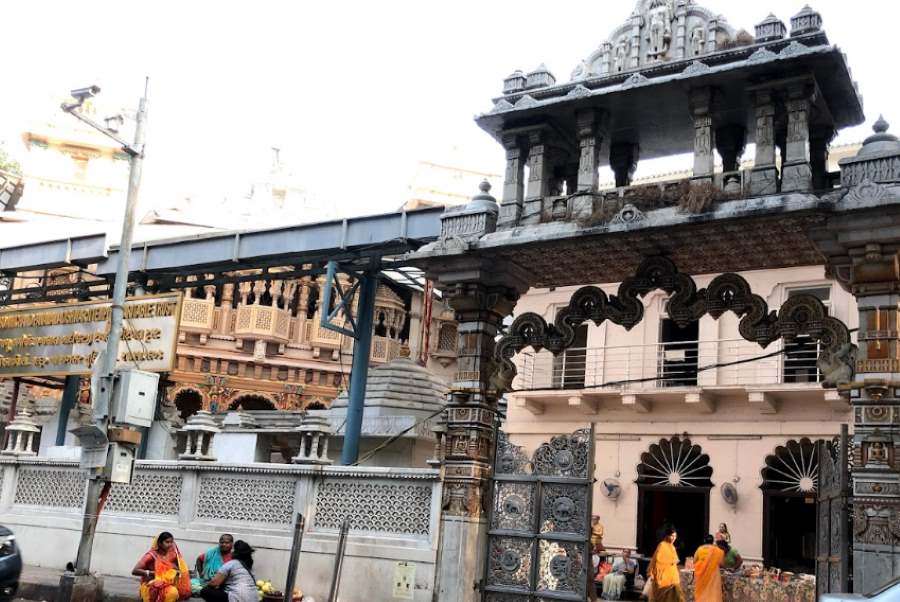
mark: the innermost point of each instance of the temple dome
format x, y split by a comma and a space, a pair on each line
402, 383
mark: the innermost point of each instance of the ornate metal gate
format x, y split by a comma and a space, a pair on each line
540, 521
833, 526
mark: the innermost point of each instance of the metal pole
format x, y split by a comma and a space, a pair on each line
70, 398
359, 372
339, 561
101, 404
299, 525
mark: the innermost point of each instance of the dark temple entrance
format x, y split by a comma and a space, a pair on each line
674, 484
790, 483
790, 532
685, 508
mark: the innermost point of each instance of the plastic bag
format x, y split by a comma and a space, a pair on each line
648, 586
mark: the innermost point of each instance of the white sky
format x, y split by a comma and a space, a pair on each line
355, 93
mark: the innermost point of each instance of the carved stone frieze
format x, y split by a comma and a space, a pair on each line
876, 523
800, 315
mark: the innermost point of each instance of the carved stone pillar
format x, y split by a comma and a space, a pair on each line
226, 308
796, 173
730, 142
875, 395
862, 251
591, 131
819, 140
540, 173
623, 158
704, 134
513, 182
481, 294
764, 178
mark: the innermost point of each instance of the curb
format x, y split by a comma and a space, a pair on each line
47, 591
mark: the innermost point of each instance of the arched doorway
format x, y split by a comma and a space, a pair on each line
252, 403
673, 483
790, 483
188, 402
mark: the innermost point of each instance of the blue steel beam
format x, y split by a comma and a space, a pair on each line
81, 250
375, 235
359, 372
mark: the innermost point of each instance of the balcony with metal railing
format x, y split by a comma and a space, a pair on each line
694, 372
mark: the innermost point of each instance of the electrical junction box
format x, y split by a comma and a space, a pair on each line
134, 398
119, 463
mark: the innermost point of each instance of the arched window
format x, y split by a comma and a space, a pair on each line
252, 403
316, 405
793, 468
675, 462
188, 402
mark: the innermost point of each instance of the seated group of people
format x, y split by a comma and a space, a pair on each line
224, 572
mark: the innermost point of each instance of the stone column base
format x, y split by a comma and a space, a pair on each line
531, 214
509, 215
796, 177
582, 206
763, 181
460, 559
79, 588
872, 568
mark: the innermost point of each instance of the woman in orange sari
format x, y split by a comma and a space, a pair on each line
707, 580
665, 579
164, 573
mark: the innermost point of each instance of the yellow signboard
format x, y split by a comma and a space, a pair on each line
61, 340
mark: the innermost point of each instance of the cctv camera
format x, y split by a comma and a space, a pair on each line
83, 93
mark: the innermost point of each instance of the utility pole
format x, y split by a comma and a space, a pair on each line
97, 482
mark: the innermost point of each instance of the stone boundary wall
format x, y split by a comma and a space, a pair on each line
394, 512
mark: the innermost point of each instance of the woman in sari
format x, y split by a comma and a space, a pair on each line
209, 562
164, 573
664, 577
707, 580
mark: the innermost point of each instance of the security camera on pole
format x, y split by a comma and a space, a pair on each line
121, 398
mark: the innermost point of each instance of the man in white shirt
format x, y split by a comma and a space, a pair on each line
626, 565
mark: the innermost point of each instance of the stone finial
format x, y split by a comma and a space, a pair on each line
474, 219
770, 30
540, 78
314, 432
483, 200
878, 160
20, 435
199, 432
514, 82
806, 21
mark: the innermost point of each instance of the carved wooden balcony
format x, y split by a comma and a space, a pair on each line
263, 322
198, 316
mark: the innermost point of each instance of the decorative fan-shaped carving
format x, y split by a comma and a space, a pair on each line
675, 462
793, 468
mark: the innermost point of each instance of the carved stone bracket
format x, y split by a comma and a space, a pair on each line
800, 315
